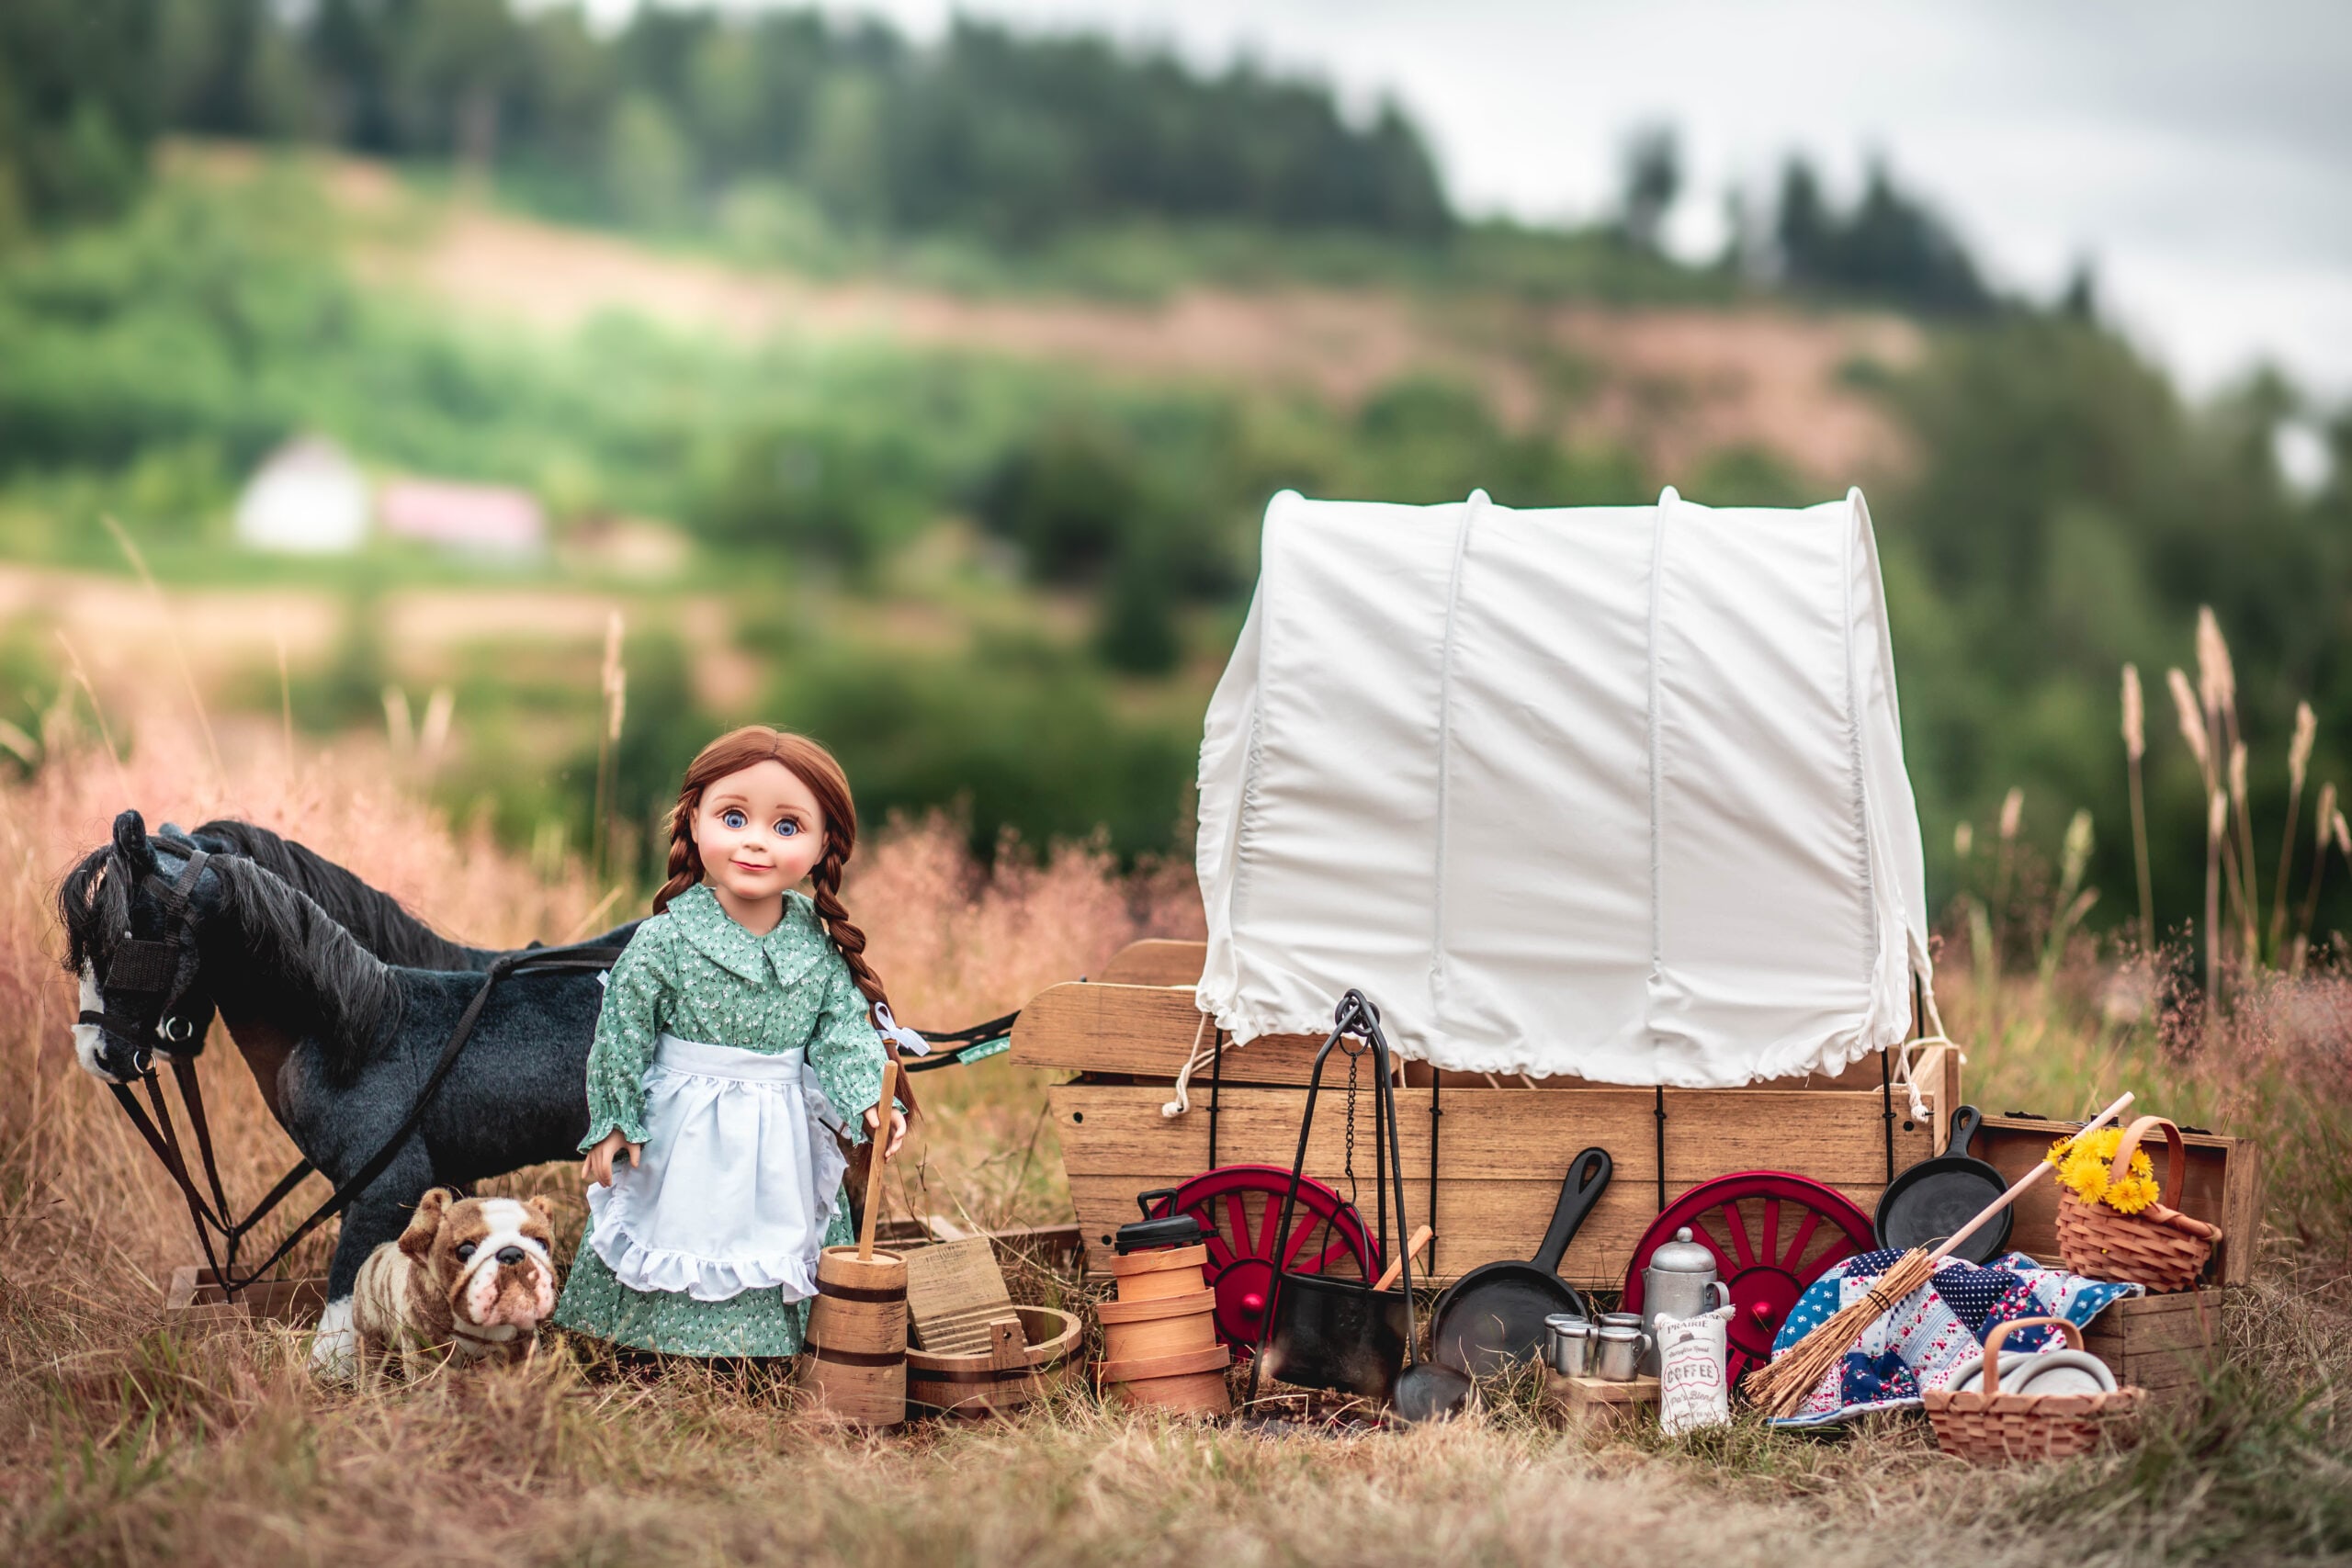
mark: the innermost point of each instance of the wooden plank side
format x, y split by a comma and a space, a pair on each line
1156, 961
1477, 1221
1497, 1133
1148, 1032
2220, 1186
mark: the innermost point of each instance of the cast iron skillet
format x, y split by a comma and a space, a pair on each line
1493, 1316
1937, 1196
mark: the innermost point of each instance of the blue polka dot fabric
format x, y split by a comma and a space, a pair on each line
1934, 1330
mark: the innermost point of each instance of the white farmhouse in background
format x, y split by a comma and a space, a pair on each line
491, 520
308, 498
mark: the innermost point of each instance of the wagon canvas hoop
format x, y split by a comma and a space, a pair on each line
1638, 767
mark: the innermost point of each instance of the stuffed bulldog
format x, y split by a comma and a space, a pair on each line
472, 1275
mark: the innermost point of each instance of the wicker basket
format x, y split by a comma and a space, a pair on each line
1985, 1426
2159, 1246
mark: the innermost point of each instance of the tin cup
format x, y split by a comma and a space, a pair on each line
1626, 1319
1568, 1345
1617, 1357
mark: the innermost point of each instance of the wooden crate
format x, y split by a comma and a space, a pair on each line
2163, 1344
1597, 1406
2223, 1187
1502, 1151
195, 1296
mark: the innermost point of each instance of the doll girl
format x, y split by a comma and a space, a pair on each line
737, 1038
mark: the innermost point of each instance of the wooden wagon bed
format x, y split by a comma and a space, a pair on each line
1502, 1149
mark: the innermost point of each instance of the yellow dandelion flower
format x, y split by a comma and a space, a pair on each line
2131, 1194
2083, 1170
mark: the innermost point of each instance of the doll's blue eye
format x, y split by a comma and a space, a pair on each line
786, 828
733, 819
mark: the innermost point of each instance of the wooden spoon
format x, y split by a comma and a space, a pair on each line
1422, 1237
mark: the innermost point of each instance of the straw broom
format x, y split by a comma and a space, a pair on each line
1781, 1387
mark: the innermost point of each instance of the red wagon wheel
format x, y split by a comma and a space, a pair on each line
1773, 1235
1240, 1211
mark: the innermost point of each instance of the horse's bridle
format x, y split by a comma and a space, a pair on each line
151, 968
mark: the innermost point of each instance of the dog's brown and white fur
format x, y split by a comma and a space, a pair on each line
473, 1275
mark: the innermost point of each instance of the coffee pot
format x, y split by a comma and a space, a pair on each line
1678, 1282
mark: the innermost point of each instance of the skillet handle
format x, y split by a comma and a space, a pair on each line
1966, 1122
1588, 1178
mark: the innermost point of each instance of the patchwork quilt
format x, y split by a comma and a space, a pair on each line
1931, 1332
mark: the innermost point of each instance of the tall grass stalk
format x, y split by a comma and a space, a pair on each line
2073, 900
2216, 827
2325, 824
2249, 899
613, 680
172, 635
2135, 748
2298, 760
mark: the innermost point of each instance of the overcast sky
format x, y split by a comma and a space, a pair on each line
2199, 152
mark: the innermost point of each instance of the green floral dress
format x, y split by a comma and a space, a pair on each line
694, 973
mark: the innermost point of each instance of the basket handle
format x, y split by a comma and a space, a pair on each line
2175, 1154
1992, 1383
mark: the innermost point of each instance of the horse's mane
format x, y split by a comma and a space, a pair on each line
286, 930
378, 920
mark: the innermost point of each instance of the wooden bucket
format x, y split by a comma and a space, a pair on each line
1190, 1383
857, 1336
1017, 1367
1162, 1326
1155, 1276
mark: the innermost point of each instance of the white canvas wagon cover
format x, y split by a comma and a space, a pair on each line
1616, 791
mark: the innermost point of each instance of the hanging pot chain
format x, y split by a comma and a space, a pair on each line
1354, 1049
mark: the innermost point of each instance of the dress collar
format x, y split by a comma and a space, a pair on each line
785, 951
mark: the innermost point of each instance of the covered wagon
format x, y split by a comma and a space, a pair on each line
1605, 808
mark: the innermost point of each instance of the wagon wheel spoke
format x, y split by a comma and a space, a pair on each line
1769, 1247
1237, 1214
1219, 1254
1321, 1261
1270, 1226
1738, 1229
1298, 1237
1706, 1238
1795, 1254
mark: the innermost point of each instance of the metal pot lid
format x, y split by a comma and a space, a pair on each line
1683, 1256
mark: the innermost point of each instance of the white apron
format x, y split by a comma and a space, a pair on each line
739, 1177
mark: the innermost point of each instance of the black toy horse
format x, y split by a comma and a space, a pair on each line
339, 1040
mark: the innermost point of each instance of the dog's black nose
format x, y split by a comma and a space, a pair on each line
510, 1256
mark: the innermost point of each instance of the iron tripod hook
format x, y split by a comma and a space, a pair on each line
1355, 1015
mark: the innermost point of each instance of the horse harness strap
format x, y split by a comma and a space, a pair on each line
162, 1138
147, 968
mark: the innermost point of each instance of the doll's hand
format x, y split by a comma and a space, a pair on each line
898, 1128
598, 1167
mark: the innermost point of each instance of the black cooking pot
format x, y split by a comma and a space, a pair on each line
1935, 1197
1338, 1334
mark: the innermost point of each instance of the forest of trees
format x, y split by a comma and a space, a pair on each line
784, 121
1009, 137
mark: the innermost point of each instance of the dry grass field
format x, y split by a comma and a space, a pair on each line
124, 1440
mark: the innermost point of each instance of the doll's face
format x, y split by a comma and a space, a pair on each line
759, 832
